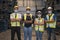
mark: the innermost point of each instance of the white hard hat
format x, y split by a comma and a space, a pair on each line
39, 11
49, 7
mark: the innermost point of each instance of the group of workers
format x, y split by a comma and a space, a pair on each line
28, 20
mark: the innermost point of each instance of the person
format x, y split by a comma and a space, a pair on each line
39, 25
50, 20
27, 21
15, 23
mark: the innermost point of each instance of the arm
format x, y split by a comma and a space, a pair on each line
50, 21
19, 17
12, 18
30, 21
35, 22
42, 23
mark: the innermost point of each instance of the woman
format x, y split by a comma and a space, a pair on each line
39, 25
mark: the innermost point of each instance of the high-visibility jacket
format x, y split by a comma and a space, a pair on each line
51, 25
17, 23
39, 27
25, 16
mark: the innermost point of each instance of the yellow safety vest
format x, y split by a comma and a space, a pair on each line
40, 28
51, 25
26, 16
17, 23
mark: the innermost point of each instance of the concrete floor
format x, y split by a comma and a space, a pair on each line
7, 36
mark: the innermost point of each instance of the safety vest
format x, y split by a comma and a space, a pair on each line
51, 25
17, 23
25, 16
41, 27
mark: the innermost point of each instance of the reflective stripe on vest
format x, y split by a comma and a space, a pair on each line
17, 23
51, 25
40, 28
25, 18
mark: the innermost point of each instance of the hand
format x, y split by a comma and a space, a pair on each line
50, 21
28, 21
13, 20
40, 24
18, 19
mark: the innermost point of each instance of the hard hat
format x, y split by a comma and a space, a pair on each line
49, 7
15, 6
28, 8
39, 12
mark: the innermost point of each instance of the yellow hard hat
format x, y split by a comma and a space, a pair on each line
15, 6
28, 8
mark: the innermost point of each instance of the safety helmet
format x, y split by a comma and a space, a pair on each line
15, 6
38, 12
28, 8
49, 7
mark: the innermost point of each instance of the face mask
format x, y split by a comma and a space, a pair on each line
39, 15
50, 12
15, 10
28, 11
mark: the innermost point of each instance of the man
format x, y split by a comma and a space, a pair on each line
15, 23
39, 25
28, 20
50, 23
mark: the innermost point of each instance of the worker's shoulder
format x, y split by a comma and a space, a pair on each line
12, 14
19, 13
24, 14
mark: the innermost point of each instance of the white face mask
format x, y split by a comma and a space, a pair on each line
39, 15
15, 10
28, 11
50, 12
